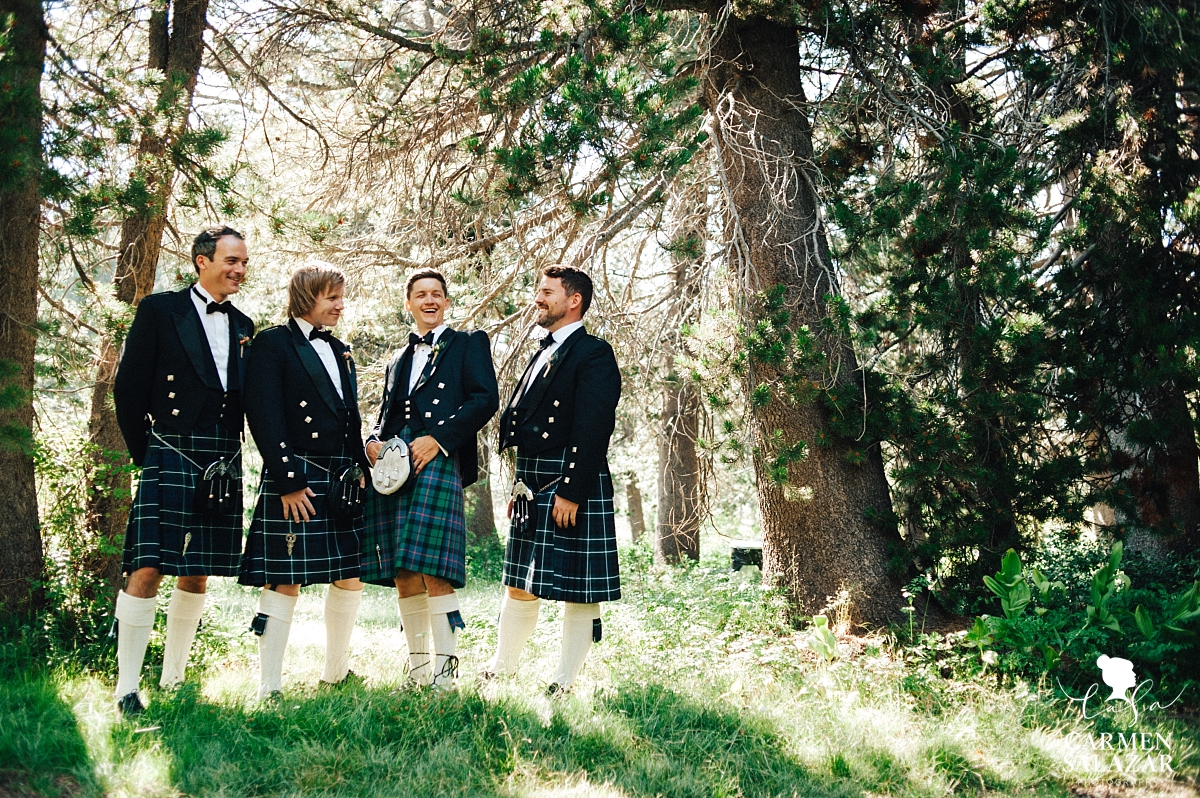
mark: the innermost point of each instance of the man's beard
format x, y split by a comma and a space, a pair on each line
547, 317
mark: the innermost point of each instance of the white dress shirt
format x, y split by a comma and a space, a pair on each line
420, 357
543, 358
216, 329
325, 352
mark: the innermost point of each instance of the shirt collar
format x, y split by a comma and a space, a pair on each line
204, 297
438, 330
304, 325
563, 333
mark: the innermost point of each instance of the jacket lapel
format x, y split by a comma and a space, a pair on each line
515, 400
541, 382
443, 343
346, 369
195, 341
237, 351
315, 368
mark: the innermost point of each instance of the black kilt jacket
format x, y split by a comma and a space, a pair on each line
167, 372
455, 397
572, 404
293, 409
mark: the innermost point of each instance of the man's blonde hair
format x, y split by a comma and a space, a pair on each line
309, 281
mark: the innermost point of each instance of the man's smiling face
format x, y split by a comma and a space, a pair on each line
427, 302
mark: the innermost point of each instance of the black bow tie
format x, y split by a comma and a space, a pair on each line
325, 335
426, 339
545, 342
213, 307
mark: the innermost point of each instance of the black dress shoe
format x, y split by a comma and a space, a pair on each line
130, 705
351, 679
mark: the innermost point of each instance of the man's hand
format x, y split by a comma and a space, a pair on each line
373, 449
422, 451
297, 507
564, 512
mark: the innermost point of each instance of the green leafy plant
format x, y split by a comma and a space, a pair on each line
822, 640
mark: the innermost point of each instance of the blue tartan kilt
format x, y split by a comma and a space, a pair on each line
163, 532
577, 564
421, 529
322, 550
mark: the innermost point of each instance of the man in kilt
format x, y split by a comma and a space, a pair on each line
178, 394
302, 407
439, 391
562, 543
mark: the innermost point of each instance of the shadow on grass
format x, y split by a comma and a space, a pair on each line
42, 751
638, 740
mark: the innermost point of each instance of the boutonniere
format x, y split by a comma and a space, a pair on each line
347, 351
437, 350
550, 361
243, 342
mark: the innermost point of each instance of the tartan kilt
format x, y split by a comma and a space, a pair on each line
578, 564
162, 518
324, 550
422, 529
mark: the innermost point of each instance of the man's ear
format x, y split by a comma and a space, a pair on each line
575, 300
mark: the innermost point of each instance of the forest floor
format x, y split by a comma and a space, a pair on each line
697, 689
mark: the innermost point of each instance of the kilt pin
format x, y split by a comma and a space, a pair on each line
306, 432
560, 420
422, 527
177, 418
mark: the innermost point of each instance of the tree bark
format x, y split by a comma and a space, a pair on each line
637, 515
21, 64
176, 48
680, 488
1167, 486
481, 511
818, 536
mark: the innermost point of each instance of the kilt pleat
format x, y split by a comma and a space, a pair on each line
161, 518
422, 530
578, 564
324, 550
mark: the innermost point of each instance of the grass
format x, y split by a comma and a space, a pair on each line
698, 689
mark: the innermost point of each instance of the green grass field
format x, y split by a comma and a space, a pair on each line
696, 690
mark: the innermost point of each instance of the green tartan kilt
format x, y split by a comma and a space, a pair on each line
422, 529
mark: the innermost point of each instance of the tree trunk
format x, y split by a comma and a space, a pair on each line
177, 51
818, 536
21, 61
1167, 487
637, 516
680, 499
481, 512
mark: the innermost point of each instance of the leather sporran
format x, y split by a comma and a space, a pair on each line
218, 491
346, 493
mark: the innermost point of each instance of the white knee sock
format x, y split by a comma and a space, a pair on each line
517, 622
445, 641
135, 621
341, 609
272, 643
183, 617
576, 641
414, 614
